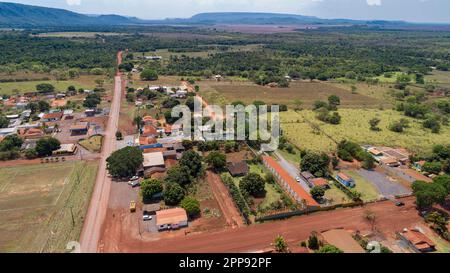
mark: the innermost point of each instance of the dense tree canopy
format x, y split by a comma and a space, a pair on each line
124, 162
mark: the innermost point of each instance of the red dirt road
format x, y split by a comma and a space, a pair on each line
226, 204
256, 237
95, 216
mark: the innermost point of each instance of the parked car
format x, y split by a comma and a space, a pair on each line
132, 206
399, 204
134, 183
134, 178
147, 217
298, 179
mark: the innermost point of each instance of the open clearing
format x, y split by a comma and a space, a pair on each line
42, 207
355, 127
308, 92
93, 144
85, 82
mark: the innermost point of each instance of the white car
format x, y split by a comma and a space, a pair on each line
134, 183
134, 178
147, 217
298, 179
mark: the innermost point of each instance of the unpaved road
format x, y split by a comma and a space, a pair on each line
95, 216
226, 203
256, 237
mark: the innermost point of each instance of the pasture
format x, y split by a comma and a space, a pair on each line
306, 91
42, 207
305, 131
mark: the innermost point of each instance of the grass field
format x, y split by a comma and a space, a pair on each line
336, 196
367, 189
308, 92
86, 82
93, 144
42, 207
441, 78
355, 126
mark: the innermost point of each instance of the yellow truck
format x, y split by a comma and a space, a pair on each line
132, 206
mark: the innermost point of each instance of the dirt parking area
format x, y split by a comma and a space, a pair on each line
97, 126
386, 185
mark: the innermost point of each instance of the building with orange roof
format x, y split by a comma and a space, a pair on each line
31, 133
52, 116
149, 131
319, 182
345, 180
417, 240
58, 103
288, 183
171, 219
143, 140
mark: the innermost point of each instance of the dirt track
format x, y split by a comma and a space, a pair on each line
226, 204
254, 238
95, 216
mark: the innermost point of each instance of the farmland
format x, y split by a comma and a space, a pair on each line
355, 127
306, 91
42, 207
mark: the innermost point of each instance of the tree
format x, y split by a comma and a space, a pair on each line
428, 194
46, 146
216, 160
149, 75
297, 105
43, 106
317, 164
173, 194
193, 161
432, 167
334, 101
30, 153
191, 205
313, 241
92, 100
317, 192
444, 181
374, 124
179, 174
45, 88
4, 122
329, 249
280, 244
253, 184
10, 142
371, 217
150, 187
125, 162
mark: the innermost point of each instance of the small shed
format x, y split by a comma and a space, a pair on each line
238, 168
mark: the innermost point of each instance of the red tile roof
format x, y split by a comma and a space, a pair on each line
418, 239
57, 115
319, 182
290, 181
149, 130
344, 176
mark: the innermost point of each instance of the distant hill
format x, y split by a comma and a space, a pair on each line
19, 15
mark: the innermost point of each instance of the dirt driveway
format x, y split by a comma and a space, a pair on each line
226, 203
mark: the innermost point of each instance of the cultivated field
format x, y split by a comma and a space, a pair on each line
307, 92
355, 126
42, 207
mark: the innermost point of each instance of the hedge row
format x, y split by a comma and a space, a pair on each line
237, 197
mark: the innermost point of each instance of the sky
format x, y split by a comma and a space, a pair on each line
432, 11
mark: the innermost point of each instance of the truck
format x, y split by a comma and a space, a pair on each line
133, 206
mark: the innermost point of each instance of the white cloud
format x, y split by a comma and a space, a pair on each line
73, 2
374, 2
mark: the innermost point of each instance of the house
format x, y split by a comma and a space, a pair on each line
153, 58
418, 241
319, 182
89, 112
419, 165
171, 219
343, 240
307, 175
218, 78
152, 160
374, 151
31, 133
52, 117
389, 161
238, 168
149, 131
345, 180
288, 183
7, 131
80, 128
66, 149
